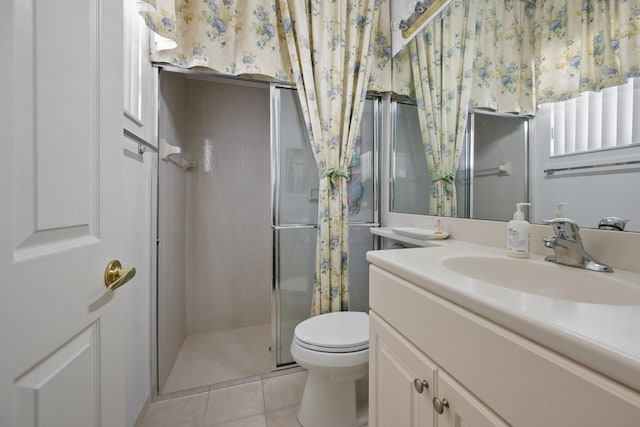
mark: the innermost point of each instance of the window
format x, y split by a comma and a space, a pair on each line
596, 120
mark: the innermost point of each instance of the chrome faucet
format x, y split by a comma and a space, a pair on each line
567, 245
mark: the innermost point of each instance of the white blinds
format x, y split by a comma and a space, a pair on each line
596, 120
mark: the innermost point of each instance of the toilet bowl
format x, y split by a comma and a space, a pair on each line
334, 348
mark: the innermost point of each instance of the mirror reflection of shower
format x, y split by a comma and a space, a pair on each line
492, 174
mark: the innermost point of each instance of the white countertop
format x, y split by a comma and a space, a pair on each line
605, 338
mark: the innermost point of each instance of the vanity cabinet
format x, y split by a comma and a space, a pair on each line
408, 389
488, 375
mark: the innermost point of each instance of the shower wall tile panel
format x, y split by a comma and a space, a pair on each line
228, 234
171, 222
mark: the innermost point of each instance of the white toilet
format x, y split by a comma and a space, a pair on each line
334, 347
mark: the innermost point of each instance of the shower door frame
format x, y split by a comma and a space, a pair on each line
275, 195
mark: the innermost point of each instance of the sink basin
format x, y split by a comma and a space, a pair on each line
546, 279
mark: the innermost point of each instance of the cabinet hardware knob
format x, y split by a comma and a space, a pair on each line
420, 385
439, 405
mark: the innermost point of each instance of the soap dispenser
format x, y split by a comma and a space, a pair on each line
558, 213
518, 234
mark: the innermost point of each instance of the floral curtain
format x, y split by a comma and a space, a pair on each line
585, 45
234, 37
228, 36
442, 61
503, 70
480, 54
331, 49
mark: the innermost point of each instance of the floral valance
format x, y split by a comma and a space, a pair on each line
585, 45
502, 77
551, 50
234, 37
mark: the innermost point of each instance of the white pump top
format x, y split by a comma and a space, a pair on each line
519, 215
558, 213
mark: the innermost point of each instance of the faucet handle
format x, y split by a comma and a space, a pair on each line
565, 228
558, 220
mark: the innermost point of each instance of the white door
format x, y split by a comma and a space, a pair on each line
61, 138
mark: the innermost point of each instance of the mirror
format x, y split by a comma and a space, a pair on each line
509, 158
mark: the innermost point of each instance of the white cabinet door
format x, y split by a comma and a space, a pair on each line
462, 408
60, 176
394, 365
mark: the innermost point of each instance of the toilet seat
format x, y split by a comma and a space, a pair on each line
339, 332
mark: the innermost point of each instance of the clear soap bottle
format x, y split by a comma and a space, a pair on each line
518, 234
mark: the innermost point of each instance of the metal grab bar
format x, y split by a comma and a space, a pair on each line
502, 170
551, 171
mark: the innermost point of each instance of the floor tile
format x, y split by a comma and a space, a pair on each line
285, 417
255, 421
216, 357
285, 390
185, 411
234, 403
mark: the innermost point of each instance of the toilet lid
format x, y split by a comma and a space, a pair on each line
342, 331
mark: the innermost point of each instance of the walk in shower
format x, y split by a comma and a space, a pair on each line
236, 233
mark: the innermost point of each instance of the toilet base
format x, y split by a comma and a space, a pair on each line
330, 403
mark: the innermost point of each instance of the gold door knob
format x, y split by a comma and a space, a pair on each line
116, 276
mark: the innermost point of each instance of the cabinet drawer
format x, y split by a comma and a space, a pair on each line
523, 382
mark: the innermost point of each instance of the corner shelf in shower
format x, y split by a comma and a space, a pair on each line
171, 153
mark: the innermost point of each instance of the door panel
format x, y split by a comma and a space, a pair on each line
295, 263
60, 183
57, 136
65, 379
394, 364
296, 171
464, 409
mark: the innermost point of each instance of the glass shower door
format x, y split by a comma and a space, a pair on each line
295, 201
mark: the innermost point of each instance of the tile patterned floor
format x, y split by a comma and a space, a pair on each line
272, 402
217, 357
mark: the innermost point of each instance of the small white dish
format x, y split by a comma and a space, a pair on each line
420, 233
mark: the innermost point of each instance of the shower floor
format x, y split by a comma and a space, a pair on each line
216, 357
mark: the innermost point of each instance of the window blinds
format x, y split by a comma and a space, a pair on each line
596, 120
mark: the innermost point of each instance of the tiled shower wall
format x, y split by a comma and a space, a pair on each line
171, 233
228, 241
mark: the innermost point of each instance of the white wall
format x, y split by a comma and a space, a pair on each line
592, 193
171, 223
136, 296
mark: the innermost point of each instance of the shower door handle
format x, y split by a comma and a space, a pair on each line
116, 276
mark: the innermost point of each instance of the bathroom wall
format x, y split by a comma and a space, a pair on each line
592, 193
136, 296
171, 229
228, 242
